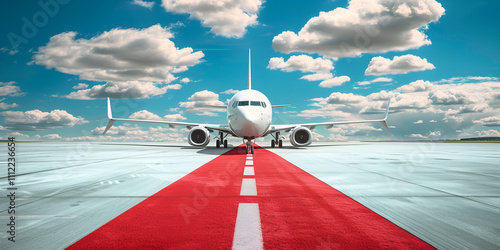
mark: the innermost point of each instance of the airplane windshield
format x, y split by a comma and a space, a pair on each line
250, 103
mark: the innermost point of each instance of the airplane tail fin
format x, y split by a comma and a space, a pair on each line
249, 70
110, 117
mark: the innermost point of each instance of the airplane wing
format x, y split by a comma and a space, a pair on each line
287, 128
210, 127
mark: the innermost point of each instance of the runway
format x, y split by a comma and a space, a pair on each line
347, 195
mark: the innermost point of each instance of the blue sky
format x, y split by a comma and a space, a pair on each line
438, 62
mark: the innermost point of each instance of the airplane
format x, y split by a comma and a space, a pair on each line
249, 116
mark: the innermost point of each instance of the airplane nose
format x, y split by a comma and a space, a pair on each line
251, 123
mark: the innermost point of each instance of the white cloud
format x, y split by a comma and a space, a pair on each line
52, 137
418, 136
4, 105
145, 4
185, 80
128, 132
230, 92
399, 65
449, 107
364, 27
354, 129
341, 98
81, 86
10, 89
199, 100
468, 79
122, 90
416, 86
228, 18
38, 120
19, 136
174, 117
146, 115
434, 134
379, 79
336, 81
491, 121
488, 133
320, 67
317, 77
303, 63
119, 55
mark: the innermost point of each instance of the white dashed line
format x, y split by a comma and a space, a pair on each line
247, 163
248, 187
248, 232
248, 171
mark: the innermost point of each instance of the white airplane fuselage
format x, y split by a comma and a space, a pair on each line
249, 114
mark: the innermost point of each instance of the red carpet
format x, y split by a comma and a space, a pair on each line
297, 211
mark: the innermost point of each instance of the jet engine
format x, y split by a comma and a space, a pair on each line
300, 136
199, 136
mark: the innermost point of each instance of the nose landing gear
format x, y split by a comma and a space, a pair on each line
249, 147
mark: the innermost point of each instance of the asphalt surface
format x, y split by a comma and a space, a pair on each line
445, 194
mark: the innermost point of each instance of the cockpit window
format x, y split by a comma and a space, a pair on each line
234, 104
264, 104
254, 103
243, 103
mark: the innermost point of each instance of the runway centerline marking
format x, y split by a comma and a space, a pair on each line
249, 171
248, 231
248, 187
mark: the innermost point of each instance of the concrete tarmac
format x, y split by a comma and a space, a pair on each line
446, 194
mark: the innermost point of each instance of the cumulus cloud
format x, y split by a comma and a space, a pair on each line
303, 63
317, 77
227, 18
450, 107
185, 80
379, 79
38, 120
145, 4
416, 86
491, 121
123, 90
4, 105
488, 133
125, 58
52, 137
129, 132
10, 89
146, 115
230, 92
321, 68
364, 27
398, 65
198, 101
81, 86
336, 81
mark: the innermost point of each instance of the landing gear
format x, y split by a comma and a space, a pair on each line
221, 140
249, 147
277, 141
